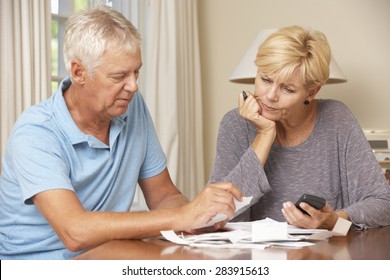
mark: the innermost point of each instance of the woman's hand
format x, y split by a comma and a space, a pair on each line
250, 110
323, 218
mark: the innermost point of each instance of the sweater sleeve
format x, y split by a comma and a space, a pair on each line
236, 161
365, 190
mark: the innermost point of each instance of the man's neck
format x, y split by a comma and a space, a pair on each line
86, 120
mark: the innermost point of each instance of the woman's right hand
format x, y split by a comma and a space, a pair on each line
250, 110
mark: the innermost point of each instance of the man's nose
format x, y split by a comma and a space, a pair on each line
131, 84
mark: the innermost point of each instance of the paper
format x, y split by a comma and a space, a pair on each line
341, 227
231, 236
222, 217
296, 230
269, 230
170, 235
290, 244
256, 235
226, 245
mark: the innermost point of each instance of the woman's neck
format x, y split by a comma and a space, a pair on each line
293, 133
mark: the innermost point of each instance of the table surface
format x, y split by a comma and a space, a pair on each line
373, 244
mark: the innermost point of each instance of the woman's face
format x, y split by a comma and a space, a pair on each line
280, 100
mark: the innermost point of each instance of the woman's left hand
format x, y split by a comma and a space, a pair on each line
323, 218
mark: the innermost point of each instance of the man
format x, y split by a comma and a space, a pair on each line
72, 162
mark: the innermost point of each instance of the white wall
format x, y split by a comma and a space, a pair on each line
357, 30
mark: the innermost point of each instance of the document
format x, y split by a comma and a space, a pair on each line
256, 235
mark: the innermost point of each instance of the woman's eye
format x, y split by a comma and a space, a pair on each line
289, 90
266, 80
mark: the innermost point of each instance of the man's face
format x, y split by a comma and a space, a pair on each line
112, 85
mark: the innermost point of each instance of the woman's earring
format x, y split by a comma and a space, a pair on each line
306, 102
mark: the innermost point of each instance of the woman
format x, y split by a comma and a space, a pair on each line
282, 142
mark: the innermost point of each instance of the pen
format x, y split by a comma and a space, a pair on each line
244, 95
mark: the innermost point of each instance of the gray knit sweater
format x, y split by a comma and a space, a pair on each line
335, 162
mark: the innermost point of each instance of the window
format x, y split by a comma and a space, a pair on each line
60, 11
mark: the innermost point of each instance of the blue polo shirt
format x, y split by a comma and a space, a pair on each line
47, 150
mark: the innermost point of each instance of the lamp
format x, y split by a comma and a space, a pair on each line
246, 70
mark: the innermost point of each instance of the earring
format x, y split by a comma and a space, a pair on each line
306, 102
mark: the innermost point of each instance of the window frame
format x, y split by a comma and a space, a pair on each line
61, 71
65, 9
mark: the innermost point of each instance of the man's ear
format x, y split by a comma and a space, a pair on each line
77, 71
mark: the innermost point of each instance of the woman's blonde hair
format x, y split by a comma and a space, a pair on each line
294, 47
89, 33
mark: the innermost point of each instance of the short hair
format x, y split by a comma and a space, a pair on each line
294, 47
89, 33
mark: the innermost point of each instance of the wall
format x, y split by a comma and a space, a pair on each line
357, 30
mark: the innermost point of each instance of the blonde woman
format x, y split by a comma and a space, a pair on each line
282, 141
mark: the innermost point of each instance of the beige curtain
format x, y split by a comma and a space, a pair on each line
25, 59
189, 93
171, 86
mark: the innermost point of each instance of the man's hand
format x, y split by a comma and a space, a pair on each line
216, 198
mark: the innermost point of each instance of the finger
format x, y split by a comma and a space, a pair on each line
243, 96
313, 212
220, 199
327, 208
212, 228
221, 185
219, 225
236, 192
230, 187
240, 100
293, 215
249, 94
310, 220
288, 215
227, 186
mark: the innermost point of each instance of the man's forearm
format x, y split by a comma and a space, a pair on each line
173, 201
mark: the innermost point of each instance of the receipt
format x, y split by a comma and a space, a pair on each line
222, 217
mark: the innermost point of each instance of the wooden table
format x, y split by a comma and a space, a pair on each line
360, 245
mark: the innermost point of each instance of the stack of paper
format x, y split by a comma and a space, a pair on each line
258, 234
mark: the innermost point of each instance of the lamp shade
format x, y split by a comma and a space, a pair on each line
246, 70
